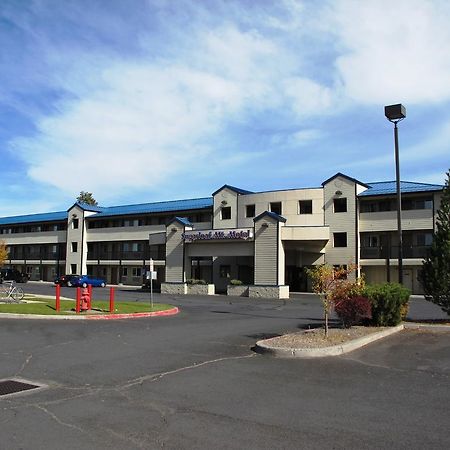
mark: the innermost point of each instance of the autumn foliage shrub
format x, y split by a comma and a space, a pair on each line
353, 310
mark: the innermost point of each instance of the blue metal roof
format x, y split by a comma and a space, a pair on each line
33, 218
158, 207
390, 187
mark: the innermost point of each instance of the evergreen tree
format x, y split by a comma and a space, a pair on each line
87, 197
435, 275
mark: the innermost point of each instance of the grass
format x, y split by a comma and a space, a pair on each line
47, 307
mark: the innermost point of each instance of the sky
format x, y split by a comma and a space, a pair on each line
151, 100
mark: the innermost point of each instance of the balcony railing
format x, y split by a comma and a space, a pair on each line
383, 252
127, 256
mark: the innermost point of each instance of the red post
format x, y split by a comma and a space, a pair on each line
111, 300
58, 298
77, 306
90, 295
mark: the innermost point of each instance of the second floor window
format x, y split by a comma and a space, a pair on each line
225, 213
340, 205
305, 207
340, 239
275, 207
250, 211
74, 247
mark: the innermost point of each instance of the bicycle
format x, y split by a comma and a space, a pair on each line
10, 293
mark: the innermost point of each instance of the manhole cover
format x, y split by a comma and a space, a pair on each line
8, 387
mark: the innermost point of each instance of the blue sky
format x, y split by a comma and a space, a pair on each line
150, 100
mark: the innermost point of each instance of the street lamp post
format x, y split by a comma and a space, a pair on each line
396, 113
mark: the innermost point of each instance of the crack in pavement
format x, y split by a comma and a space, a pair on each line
56, 419
158, 376
25, 363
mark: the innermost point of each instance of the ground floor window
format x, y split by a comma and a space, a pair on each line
225, 271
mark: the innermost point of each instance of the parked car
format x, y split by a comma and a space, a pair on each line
13, 275
65, 280
84, 280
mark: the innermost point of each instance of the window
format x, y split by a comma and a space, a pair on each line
275, 207
73, 269
124, 271
424, 239
74, 247
369, 240
417, 203
250, 211
225, 213
340, 205
340, 239
75, 223
137, 272
305, 206
224, 271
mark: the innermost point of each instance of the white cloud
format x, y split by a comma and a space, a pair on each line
394, 51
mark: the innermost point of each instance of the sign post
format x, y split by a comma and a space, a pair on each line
151, 282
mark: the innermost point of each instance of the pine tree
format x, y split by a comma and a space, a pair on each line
87, 198
435, 275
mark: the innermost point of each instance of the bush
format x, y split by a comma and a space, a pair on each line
389, 303
353, 310
195, 281
236, 282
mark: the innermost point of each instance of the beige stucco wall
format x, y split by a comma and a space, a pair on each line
290, 206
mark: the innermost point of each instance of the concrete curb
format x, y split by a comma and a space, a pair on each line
167, 312
426, 326
334, 350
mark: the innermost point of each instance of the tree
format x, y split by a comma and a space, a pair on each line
3, 253
334, 285
87, 198
435, 274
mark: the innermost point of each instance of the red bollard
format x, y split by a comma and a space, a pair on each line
77, 306
58, 298
111, 300
90, 295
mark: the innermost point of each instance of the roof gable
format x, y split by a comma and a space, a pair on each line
182, 220
270, 214
340, 174
238, 191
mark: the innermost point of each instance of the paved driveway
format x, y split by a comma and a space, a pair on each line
192, 381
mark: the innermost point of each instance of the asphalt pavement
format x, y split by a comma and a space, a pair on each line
192, 381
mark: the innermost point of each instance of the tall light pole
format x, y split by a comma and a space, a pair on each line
396, 113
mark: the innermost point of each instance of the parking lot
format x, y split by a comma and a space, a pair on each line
193, 381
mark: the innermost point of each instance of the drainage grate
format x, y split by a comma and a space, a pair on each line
11, 387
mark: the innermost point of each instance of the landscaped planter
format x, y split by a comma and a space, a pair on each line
237, 290
201, 289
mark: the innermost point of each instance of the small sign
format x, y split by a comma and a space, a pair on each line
154, 275
233, 234
152, 267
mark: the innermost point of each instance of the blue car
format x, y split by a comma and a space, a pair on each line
85, 280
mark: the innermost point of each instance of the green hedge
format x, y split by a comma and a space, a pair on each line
389, 303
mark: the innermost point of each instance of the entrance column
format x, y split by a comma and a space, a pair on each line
177, 267
269, 257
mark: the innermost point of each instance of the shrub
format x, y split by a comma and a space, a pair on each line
236, 282
195, 281
353, 310
389, 303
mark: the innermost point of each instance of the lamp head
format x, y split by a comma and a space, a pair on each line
394, 113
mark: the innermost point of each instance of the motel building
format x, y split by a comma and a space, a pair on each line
264, 239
